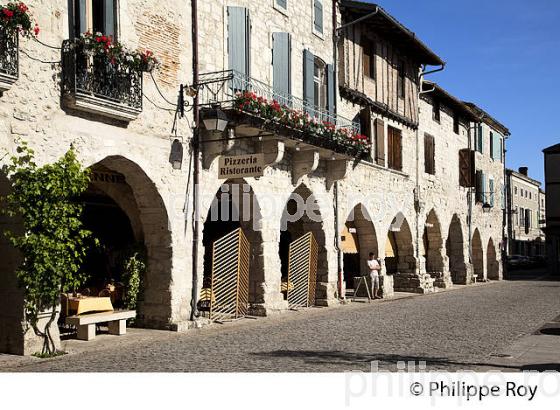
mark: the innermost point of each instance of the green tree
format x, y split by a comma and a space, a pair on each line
53, 243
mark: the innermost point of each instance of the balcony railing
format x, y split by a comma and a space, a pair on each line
230, 90
95, 84
9, 59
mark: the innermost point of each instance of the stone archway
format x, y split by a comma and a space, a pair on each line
358, 239
455, 249
432, 241
492, 263
235, 206
399, 256
121, 186
301, 215
477, 255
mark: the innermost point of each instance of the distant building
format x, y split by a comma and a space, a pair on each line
552, 185
525, 207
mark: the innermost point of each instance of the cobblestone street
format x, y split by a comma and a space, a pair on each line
461, 329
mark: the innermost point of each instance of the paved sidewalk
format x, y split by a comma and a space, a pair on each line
467, 328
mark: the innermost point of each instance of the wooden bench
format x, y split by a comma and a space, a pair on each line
86, 323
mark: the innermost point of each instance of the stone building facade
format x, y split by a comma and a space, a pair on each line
526, 236
406, 201
552, 188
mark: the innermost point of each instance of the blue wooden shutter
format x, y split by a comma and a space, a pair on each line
281, 61
483, 183
318, 11
238, 39
491, 191
282, 3
308, 67
109, 18
330, 90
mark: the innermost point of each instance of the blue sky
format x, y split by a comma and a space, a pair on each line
503, 55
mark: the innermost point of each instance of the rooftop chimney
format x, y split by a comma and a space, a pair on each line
524, 171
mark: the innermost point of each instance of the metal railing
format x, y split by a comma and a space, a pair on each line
9, 57
222, 87
96, 76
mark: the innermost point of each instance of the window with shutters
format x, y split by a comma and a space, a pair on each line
318, 17
436, 111
429, 154
320, 84
94, 16
456, 123
401, 83
394, 148
492, 146
368, 47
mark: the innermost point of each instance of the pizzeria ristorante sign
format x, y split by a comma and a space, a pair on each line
241, 166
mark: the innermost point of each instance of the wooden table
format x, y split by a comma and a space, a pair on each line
89, 304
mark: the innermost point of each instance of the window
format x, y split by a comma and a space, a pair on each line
515, 190
401, 87
530, 195
479, 139
492, 153
368, 47
480, 195
318, 16
491, 194
429, 155
380, 142
394, 148
456, 124
281, 4
436, 113
319, 84
95, 16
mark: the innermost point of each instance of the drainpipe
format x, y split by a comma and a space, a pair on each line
339, 255
196, 162
423, 73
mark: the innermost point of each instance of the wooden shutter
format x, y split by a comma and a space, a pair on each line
398, 149
483, 188
390, 148
380, 142
491, 193
109, 18
330, 90
479, 190
467, 176
318, 11
308, 66
429, 154
281, 63
238, 39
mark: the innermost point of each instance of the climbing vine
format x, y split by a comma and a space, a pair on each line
53, 243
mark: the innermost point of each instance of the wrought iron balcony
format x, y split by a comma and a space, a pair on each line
96, 85
9, 58
253, 106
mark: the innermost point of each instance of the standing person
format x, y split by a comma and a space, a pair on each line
374, 268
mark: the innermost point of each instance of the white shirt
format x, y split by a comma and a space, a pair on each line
374, 267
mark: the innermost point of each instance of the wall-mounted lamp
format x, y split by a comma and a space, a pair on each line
176, 155
214, 119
